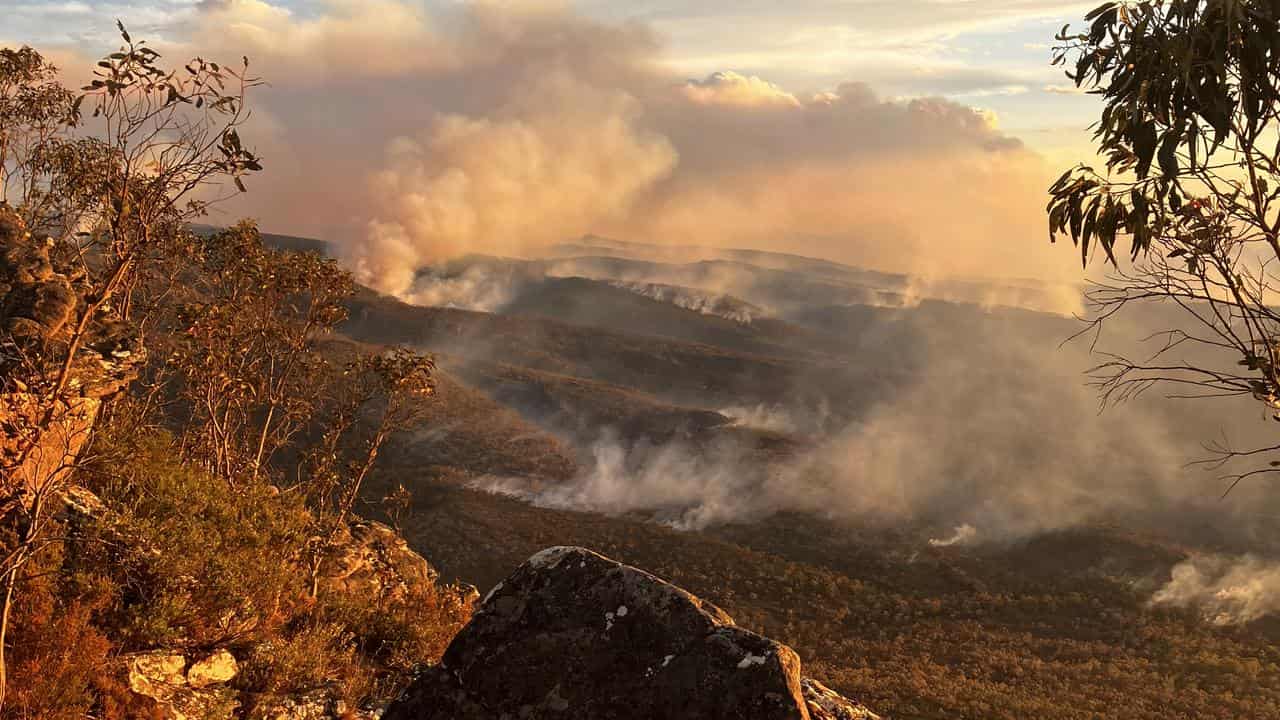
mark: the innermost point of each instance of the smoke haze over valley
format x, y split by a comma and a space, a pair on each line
934, 411
760, 297
831, 392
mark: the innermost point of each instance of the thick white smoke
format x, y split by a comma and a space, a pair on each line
995, 429
678, 486
474, 288
559, 158
1225, 590
409, 135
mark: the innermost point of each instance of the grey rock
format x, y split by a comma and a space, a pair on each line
575, 634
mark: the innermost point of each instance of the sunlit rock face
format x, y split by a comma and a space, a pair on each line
370, 559
41, 290
573, 634
184, 693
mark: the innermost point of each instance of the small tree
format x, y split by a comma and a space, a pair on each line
242, 339
101, 177
377, 396
1190, 130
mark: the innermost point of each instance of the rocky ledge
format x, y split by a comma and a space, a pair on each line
575, 634
42, 288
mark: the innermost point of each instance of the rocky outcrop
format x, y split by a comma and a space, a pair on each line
370, 559
827, 704
36, 300
37, 459
220, 667
41, 292
201, 690
572, 634
185, 692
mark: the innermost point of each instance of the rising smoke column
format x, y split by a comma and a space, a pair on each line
410, 136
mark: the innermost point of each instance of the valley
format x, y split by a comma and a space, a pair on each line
700, 448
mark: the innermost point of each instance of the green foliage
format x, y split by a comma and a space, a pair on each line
402, 633
1190, 89
360, 646
378, 394
313, 655
196, 563
1190, 93
184, 559
195, 546
236, 323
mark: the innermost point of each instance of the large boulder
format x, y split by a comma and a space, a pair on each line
572, 634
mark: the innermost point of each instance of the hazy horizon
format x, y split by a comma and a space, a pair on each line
824, 131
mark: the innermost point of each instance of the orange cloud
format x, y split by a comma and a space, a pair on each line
409, 138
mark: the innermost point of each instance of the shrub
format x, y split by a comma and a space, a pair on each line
197, 563
316, 654
398, 635
60, 666
186, 559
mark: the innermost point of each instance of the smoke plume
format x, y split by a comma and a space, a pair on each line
410, 136
1225, 590
963, 534
672, 484
991, 425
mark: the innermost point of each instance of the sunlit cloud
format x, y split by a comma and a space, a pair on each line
411, 133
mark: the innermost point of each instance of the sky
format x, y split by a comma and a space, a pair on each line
746, 122
992, 54
987, 53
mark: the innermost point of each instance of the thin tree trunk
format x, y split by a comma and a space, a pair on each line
11, 579
20, 556
262, 441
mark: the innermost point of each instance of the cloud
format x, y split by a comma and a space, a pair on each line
1064, 90
87, 24
409, 136
796, 42
351, 39
730, 88
926, 186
